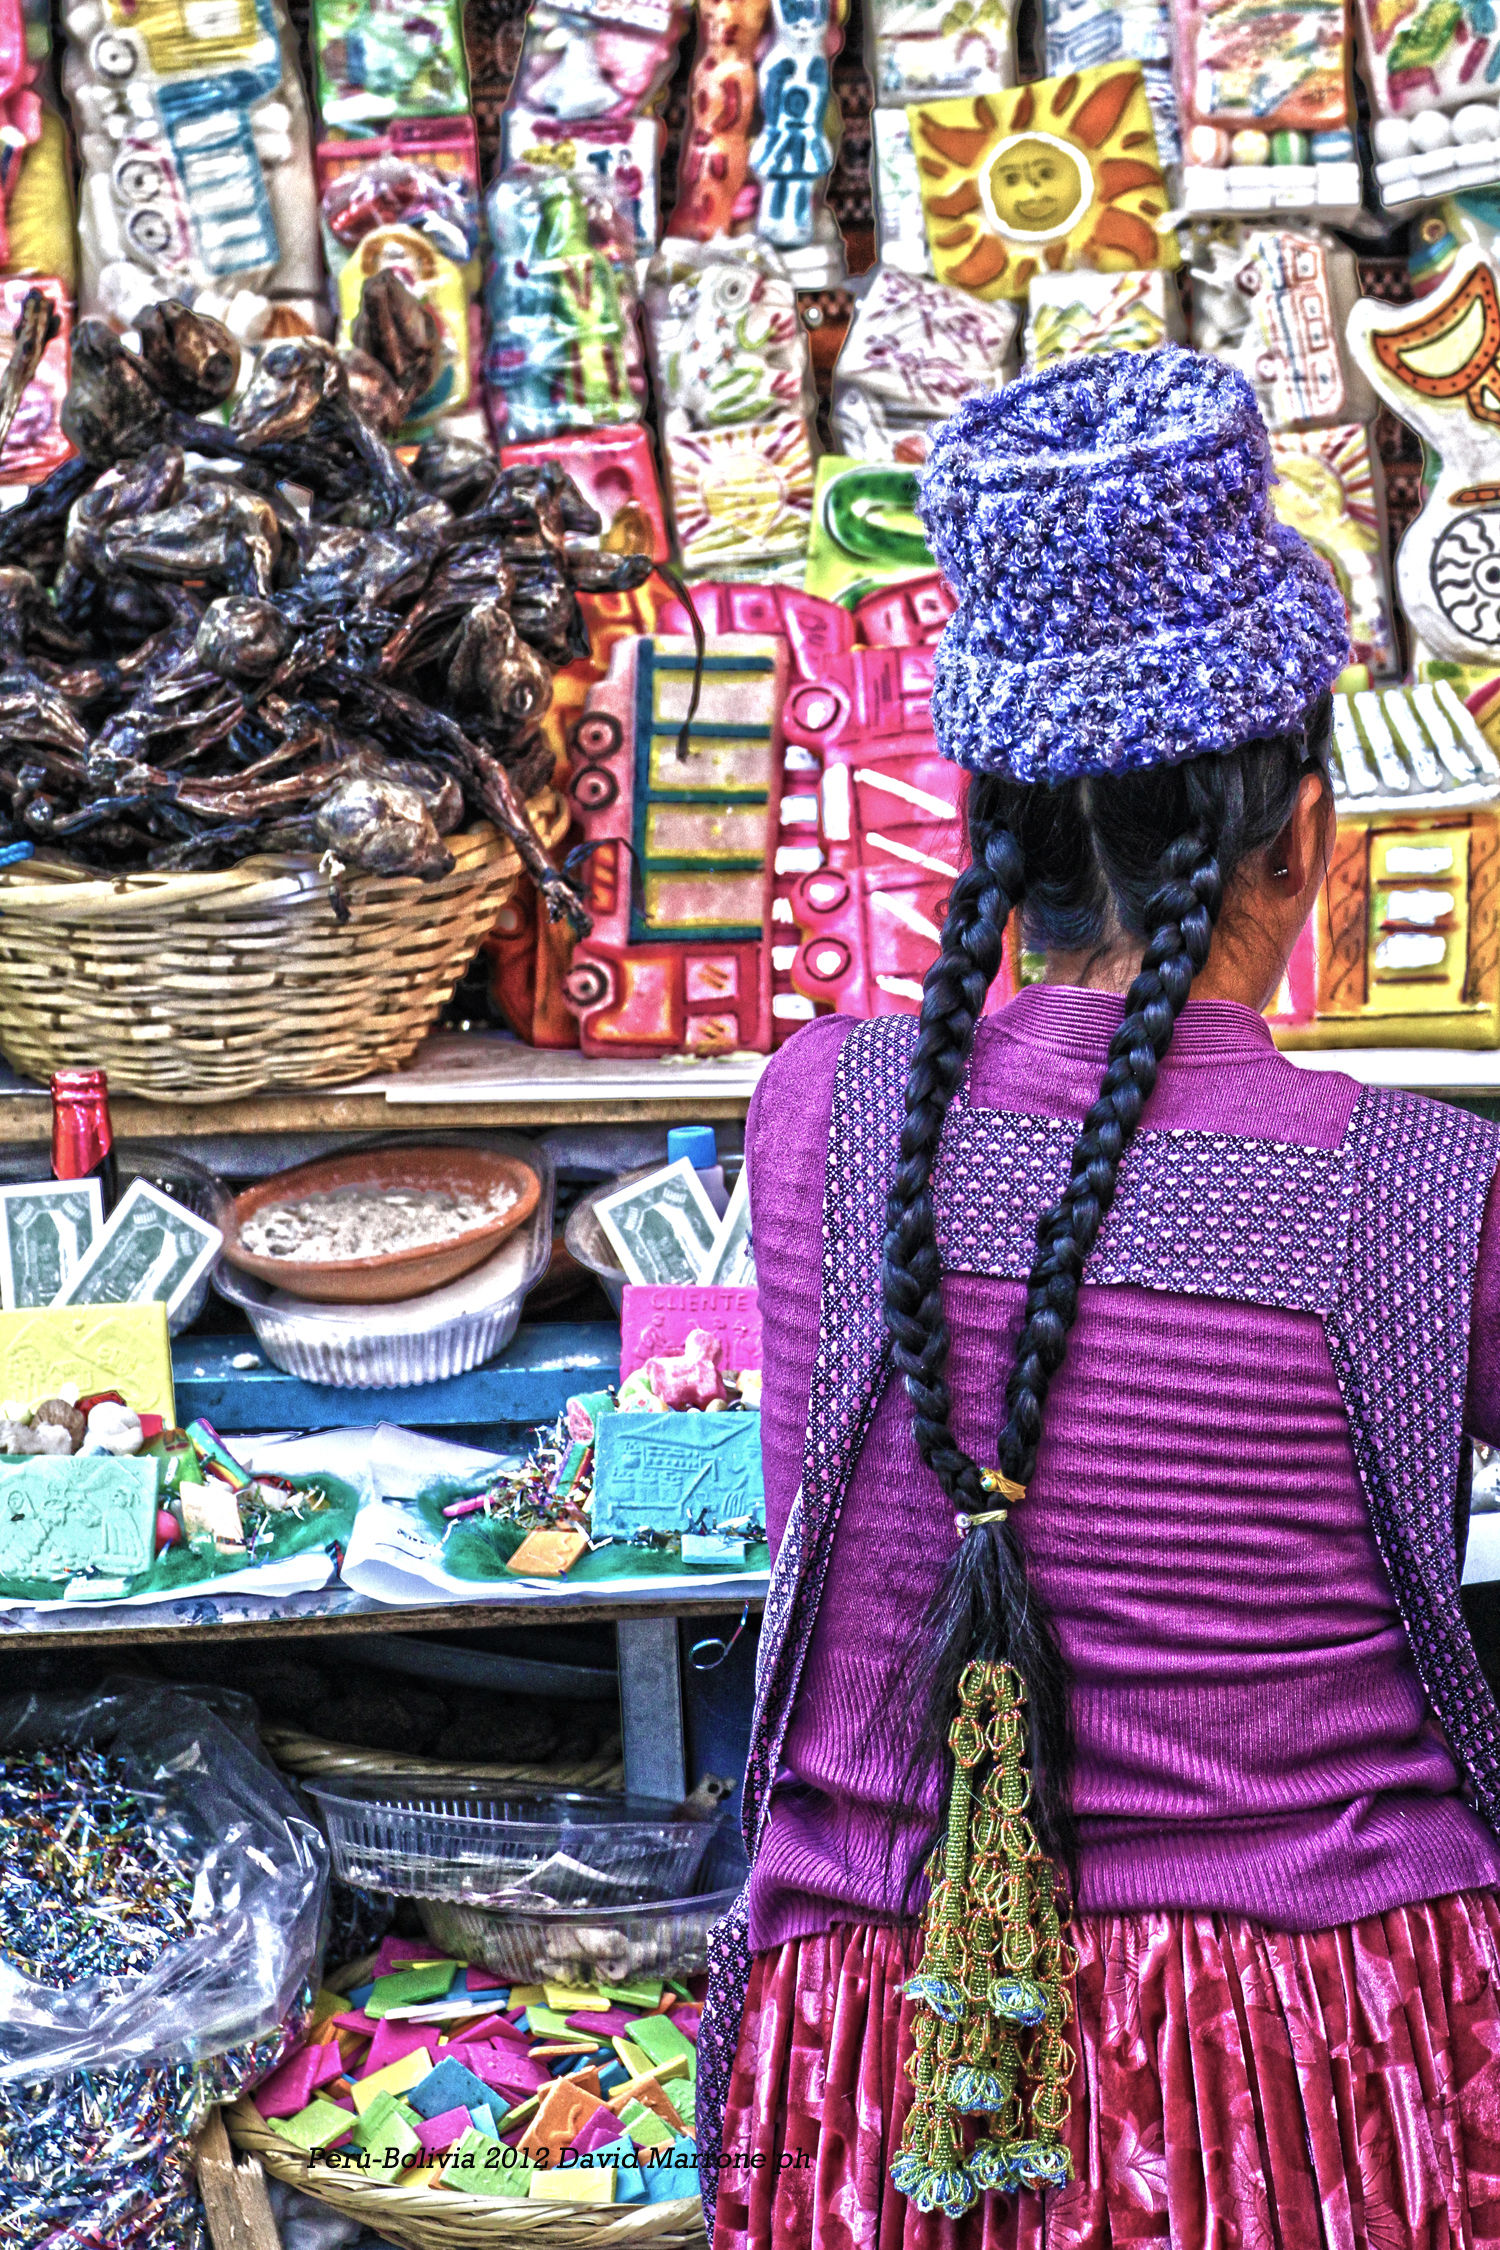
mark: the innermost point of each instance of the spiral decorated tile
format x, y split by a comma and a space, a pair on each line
1437, 365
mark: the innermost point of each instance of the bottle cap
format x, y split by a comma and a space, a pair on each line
697, 1143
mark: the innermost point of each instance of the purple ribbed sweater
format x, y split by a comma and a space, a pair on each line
1251, 1733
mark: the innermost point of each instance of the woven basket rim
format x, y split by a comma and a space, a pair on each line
301, 1753
51, 884
422, 2209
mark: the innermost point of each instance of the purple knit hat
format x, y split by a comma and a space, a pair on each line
1125, 596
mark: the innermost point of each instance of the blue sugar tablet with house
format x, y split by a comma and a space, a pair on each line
676, 1472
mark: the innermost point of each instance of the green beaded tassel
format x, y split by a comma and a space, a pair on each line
992, 1988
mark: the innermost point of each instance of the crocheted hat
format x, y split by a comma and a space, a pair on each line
1125, 596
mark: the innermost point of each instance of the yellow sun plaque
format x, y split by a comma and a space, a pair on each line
1046, 177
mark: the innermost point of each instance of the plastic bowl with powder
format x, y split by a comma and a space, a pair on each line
369, 1222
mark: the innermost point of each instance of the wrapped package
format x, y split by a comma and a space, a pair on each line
408, 203
1431, 74
925, 52
564, 346
732, 372
623, 154
378, 60
35, 445
759, 144
1276, 303
597, 61
196, 158
1084, 33
208, 1883
1097, 312
913, 350
1267, 107
1053, 176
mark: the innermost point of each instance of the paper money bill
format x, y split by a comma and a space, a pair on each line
46, 1230
151, 1252
731, 1261
663, 1227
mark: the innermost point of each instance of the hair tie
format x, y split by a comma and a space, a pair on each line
997, 1482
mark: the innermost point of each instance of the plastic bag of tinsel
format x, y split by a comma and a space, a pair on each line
162, 1905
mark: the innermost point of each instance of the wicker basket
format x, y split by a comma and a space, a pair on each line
201, 988
424, 2218
310, 1759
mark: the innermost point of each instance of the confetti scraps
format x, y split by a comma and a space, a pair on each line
88, 1888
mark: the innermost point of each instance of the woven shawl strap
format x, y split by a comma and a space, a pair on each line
1416, 1182
848, 1378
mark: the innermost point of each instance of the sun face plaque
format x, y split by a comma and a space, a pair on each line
1045, 178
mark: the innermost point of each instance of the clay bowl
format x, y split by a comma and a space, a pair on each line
400, 1273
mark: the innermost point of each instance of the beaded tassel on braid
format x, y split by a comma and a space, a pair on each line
991, 1994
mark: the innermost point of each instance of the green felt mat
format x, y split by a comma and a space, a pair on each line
479, 1547
177, 1570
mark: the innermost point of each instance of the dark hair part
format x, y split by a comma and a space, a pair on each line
1144, 856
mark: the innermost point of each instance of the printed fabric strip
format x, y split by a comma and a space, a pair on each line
1334, 2090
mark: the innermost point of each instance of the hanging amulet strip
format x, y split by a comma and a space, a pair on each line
992, 1987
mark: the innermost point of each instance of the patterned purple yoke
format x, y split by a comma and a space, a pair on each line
1379, 1238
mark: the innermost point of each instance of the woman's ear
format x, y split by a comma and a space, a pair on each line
1299, 857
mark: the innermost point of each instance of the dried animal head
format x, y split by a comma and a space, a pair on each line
194, 361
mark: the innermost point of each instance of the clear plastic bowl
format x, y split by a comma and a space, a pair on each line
417, 1339
585, 1239
584, 1945
470, 1843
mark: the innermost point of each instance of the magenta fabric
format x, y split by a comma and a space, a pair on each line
1234, 2087
1252, 1737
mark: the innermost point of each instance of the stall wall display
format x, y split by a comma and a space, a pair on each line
914, 349
1404, 949
759, 142
195, 151
1096, 312
1436, 365
1276, 303
681, 823
1061, 173
730, 360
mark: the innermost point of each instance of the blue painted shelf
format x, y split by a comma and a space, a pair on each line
529, 1383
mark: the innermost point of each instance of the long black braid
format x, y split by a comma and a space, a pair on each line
1148, 856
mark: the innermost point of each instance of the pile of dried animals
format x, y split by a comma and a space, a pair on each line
267, 633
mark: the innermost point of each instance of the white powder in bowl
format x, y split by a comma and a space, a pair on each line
366, 1222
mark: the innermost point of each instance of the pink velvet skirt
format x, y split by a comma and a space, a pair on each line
1236, 2089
